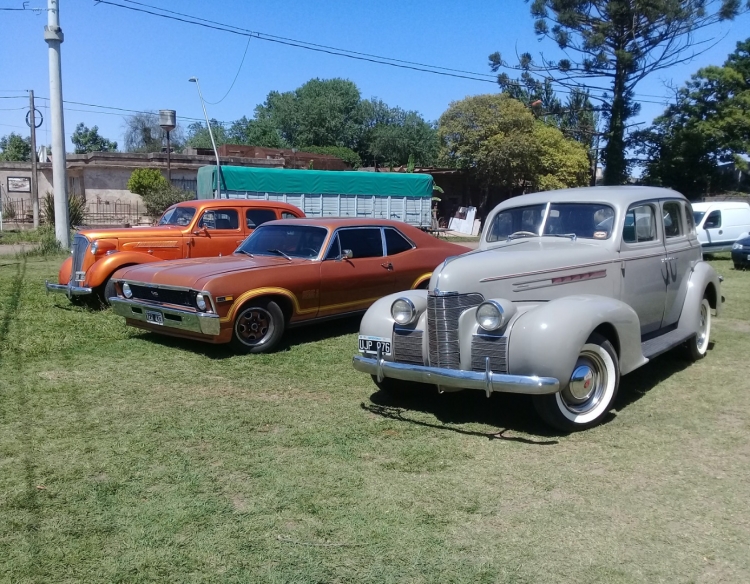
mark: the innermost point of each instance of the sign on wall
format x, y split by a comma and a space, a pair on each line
19, 184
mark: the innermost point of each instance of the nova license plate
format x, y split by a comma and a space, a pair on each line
372, 344
154, 317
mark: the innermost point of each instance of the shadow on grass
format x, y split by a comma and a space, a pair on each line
292, 337
637, 384
510, 412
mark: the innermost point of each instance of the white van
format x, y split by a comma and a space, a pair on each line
720, 224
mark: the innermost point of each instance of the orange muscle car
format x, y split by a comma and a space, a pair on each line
192, 229
287, 273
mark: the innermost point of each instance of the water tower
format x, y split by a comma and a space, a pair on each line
168, 122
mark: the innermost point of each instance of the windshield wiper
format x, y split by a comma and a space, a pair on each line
245, 252
520, 234
572, 236
278, 251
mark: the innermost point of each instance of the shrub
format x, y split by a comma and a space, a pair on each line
346, 154
146, 180
76, 210
160, 199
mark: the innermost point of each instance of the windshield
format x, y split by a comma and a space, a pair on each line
294, 241
177, 216
698, 216
585, 220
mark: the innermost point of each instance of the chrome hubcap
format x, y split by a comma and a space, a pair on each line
587, 384
702, 330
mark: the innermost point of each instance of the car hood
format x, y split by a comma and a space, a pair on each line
495, 270
193, 273
133, 232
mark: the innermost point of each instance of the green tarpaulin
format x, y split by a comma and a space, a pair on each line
313, 182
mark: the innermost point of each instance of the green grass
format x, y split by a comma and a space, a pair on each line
8, 237
126, 457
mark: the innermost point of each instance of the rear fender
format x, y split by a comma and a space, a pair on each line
547, 340
63, 276
109, 264
704, 281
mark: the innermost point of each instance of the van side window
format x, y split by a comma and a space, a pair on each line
713, 221
257, 217
640, 225
672, 220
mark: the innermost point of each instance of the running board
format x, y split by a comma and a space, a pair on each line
662, 344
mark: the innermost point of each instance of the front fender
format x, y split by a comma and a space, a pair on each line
546, 341
377, 321
109, 264
66, 269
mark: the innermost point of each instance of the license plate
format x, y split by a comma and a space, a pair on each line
748, 257
372, 344
80, 276
154, 317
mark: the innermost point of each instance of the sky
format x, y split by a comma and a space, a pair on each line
120, 58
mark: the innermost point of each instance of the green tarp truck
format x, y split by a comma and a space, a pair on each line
328, 193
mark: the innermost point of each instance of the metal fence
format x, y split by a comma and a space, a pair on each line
190, 185
20, 212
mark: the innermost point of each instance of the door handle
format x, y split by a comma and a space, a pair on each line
387, 265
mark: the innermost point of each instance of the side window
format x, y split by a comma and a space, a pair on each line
713, 221
335, 250
220, 219
257, 217
640, 225
365, 242
689, 220
395, 242
672, 220
288, 215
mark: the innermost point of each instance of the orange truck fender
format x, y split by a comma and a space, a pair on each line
63, 276
108, 265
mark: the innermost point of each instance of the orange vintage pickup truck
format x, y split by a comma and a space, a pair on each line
190, 229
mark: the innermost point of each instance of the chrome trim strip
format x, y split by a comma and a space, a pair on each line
67, 289
486, 380
553, 270
152, 285
198, 322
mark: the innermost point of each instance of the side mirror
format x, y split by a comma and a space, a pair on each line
346, 254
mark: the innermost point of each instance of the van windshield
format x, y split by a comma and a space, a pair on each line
698, 215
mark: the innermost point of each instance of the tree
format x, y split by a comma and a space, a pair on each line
145, 180
499, 140
88, 140
322, 112
261, 133
143, 134
198, 136
622, 42
15, 148
709, 124
405, 134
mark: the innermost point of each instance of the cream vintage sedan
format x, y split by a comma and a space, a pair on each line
567, 291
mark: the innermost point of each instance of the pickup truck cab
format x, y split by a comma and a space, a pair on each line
191, 229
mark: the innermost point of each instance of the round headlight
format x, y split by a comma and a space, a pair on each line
737, 245
126, 291
403, 311
490, 316
94, 247
200, 301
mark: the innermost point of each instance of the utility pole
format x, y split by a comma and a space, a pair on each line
53, 35
34, 175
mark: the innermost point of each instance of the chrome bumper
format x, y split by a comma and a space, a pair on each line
487, 380
67, 289
173, 318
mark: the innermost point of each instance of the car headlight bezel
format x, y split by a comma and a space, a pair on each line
405, 313
490, 315
737, 245
94, 247
200, 302
126, 291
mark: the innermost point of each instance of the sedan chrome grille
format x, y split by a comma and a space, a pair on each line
496, 348
407, 346
443, 312
80, 245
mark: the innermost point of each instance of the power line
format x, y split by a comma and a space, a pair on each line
235, 77
377, 59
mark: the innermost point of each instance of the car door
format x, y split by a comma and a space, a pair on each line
402, 258
712, 225
217, 232
682, 250
643, 284
354, 272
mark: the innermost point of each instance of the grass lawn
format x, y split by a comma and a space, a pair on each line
125, 457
